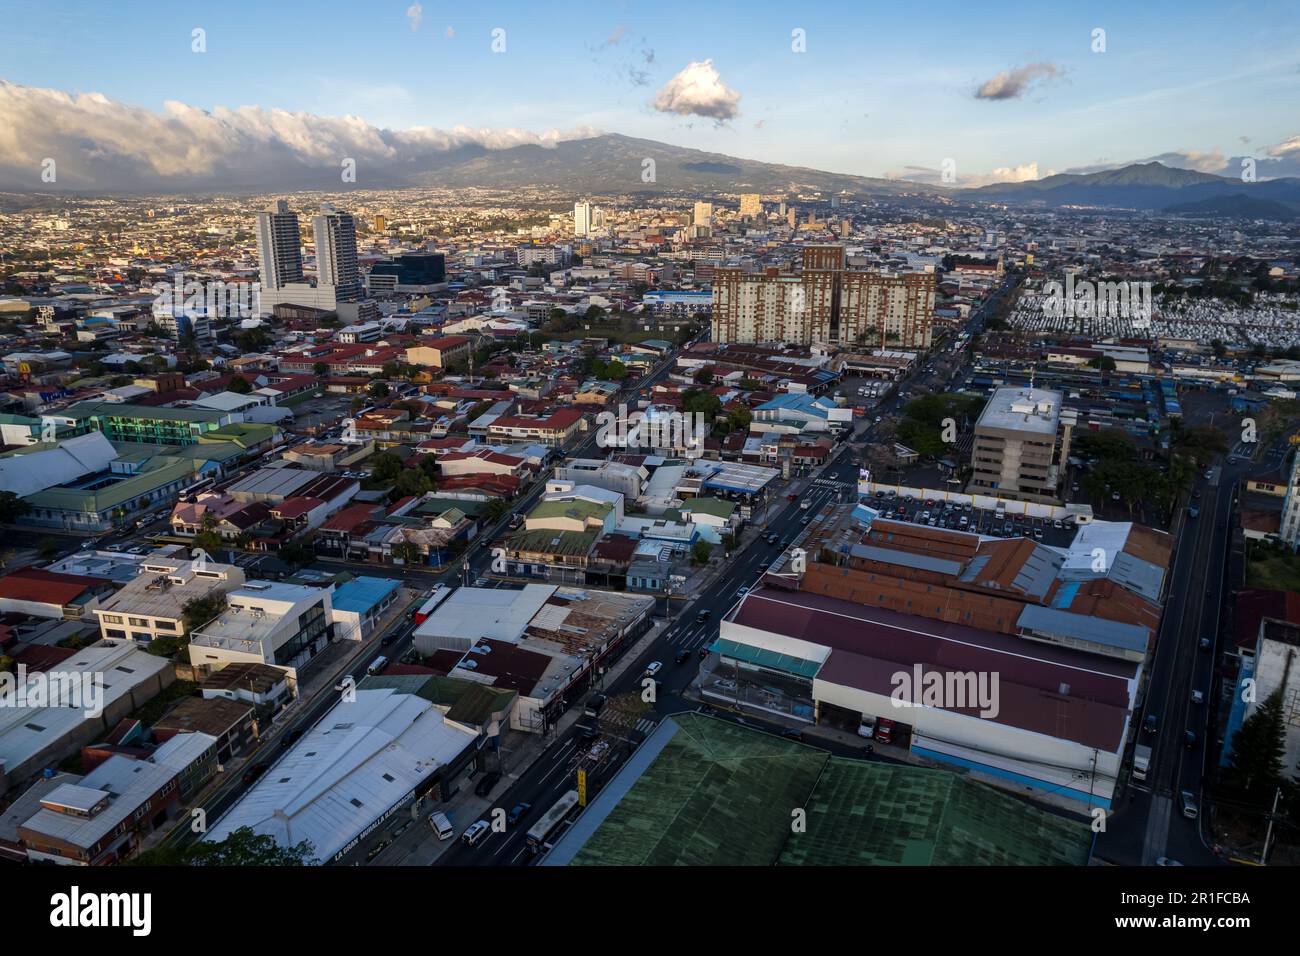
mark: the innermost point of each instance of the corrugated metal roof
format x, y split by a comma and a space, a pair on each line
907, 559
1096, 630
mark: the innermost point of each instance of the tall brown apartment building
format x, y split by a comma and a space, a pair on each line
825, 302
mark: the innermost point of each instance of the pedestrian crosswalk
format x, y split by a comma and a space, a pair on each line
645, 725
831, 483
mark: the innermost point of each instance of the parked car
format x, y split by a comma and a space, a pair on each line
1151, 724
792, 733
489, 781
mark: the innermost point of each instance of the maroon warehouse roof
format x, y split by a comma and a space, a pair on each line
1042, 688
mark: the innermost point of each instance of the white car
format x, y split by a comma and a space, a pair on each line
653, 668
1198, 697
476, 832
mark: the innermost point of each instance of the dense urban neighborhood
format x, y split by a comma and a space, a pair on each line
423, 537
706, 446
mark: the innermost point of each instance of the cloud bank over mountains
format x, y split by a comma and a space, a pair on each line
100, 144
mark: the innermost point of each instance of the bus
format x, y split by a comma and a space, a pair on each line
436, 597
550, 822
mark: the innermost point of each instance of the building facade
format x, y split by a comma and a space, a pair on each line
824, 303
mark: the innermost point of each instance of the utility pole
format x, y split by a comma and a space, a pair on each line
1268, 835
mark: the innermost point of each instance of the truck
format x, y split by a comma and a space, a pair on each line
1141, 761
589, 726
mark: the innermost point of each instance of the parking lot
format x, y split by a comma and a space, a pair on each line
959, 517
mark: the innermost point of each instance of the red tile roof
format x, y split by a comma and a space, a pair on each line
350, 518
46, 587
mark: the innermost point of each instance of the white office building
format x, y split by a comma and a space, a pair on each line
279, 247
336, 253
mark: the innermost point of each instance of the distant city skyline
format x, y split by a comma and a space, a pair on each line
882, 92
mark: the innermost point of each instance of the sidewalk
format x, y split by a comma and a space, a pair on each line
336, 660
519, 752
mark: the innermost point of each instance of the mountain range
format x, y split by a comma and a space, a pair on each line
1154, 186
613, 164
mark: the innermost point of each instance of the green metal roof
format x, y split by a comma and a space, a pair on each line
879, 814
578, 509
547, 541
765, 658
717, 795
710, 506
720, 794
144, 412
437, 505
111, 496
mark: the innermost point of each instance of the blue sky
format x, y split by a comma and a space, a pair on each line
881, 88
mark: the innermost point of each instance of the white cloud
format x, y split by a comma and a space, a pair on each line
415, 13
931, 176
698, 90
1010, 84
99, 143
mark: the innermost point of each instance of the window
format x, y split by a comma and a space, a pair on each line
112, 619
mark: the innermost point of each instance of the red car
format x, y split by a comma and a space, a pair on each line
885, 730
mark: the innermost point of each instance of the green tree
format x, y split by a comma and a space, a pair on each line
164, 646
12, 507
700, 552
295, 552
378, 389
407, 551
239, 385
412, 482
320, 369
242, 848
1255, 766
385, 466
706, 403
209, 541
199, 611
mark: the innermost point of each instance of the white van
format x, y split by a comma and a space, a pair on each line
441, 825
377, 665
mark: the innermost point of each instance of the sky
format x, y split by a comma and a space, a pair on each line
994, 92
